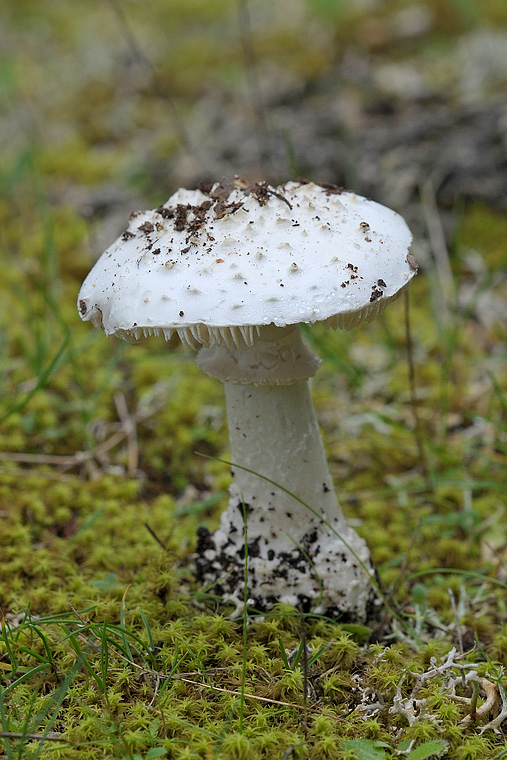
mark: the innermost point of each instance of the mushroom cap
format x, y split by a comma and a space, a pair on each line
221, 261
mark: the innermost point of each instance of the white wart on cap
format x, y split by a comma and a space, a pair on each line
216, 263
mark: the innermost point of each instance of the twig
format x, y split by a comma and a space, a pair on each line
154, 535
437, 236
155, 691
20, 472
291, 749
404, 563
458, 631
80, 634
52, 459
456, 619
73, 460
182, 677
129, 426
33, 737
438, 246
238, 694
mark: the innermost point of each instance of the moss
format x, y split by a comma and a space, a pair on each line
75, 552
337, 687
485, 230
237, 747
74, 161
474, 748
324, 748
423, 730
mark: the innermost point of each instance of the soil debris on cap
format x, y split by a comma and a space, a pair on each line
199, 213
165, 213
327, 186
222, 208
219, 193
412, 261
261, 191
223, 189
331, 189
183, 235
180, 217
205, 187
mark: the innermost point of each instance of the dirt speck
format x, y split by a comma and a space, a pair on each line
414, 264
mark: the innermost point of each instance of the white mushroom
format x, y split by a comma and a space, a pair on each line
239, 284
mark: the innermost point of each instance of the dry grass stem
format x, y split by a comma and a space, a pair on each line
438, 246
33, 737
129, 427
418, 432
98, 454
250, 696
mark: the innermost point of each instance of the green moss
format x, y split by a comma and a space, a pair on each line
99, 615
74, 161
485, 230
473, 748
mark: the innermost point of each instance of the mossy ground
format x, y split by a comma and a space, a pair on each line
107, 641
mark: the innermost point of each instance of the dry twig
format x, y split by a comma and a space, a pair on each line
33, 737
95, 460
438, 247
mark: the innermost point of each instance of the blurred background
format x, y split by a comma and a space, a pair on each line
121, 100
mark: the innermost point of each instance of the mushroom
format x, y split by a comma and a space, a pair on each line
234, 269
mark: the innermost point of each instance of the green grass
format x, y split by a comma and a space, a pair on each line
108, 647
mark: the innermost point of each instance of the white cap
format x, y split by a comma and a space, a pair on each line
216, 263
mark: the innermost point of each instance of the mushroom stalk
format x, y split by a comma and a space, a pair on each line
295, 553
282, 415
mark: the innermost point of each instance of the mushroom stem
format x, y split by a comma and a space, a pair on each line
300, 549
273, 432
